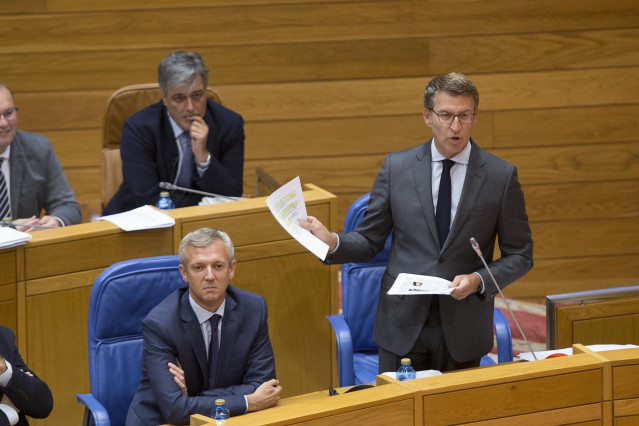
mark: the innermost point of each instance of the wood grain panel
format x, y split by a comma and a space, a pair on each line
245, 63
561, 202
585, 238
625, 381
8, 266
97, 252
24, 6
57, 333
8, 315
85, 182
308, 22
614, 330
565, 126
566, 275
535, 51
77, 148
578, 388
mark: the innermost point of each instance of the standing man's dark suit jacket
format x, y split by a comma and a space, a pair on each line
30, 394
172, 332
150, 156
38, 182
491, 204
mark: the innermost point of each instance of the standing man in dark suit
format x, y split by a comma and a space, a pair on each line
431, 235
31, 174
22, 393
185, 139
205, 341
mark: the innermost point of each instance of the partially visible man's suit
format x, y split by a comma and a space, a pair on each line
150, 156
38, 182
491, 204
172, 332
30, 394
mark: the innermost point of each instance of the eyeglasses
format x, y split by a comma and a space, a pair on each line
447, 117
9, 114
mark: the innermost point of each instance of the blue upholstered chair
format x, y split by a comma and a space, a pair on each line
357, 354
121, 297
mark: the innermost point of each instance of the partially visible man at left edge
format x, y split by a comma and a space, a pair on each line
31, 177
22, 393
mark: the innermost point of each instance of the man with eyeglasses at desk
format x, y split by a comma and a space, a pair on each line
31, 176
431, 234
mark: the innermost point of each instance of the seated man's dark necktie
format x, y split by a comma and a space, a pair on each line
214, 349
186, 161
442, 215
5, 201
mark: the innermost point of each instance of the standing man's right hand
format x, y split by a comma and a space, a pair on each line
319, 230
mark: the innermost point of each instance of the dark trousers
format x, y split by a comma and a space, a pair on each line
429, 352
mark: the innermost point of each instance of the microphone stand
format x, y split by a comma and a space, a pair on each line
9, 224
475, 244
167, 185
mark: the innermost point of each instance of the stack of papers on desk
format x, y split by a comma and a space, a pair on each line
145, 217
9, 237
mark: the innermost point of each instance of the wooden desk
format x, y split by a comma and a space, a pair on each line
390, 404
48, 292
624, 365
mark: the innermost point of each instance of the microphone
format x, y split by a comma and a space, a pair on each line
166, 185
475, 244
6, 223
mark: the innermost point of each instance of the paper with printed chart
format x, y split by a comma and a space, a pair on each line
288, 207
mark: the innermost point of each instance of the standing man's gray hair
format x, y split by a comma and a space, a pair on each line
180, 68
203, 237
453, 84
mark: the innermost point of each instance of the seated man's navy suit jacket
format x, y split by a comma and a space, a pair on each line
172, 333
150, 155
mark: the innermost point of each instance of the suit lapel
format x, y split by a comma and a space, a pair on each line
230, 326
423, 186
193, 331
475, 178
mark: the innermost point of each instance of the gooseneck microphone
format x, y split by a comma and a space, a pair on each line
475, 244
166, 185
10, 224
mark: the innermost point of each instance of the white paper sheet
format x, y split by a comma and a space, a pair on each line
10, 237
145, 217
288, 207
410, 284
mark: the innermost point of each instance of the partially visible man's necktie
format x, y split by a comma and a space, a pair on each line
5, 201
186, 161
214, 349
442, 214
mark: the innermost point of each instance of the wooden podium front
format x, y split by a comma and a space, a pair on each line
44, 297
586, 388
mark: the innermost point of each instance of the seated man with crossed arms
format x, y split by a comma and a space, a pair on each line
206, 341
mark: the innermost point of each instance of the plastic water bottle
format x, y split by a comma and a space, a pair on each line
406, 371
221, 412
165, 202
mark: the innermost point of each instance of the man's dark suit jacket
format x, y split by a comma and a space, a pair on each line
38, 182
491, 205
172, 332
30, 394
150, 156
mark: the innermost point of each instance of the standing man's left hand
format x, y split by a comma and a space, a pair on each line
465, 285
199, 133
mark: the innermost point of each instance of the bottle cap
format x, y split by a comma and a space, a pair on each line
164, 194
220, 402
405, 361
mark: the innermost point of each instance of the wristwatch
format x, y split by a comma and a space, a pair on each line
205, 164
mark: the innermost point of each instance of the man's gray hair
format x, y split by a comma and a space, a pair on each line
180, 68
202, 238
453, 84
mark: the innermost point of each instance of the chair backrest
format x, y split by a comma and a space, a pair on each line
122, 104
361, 285
121, 297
